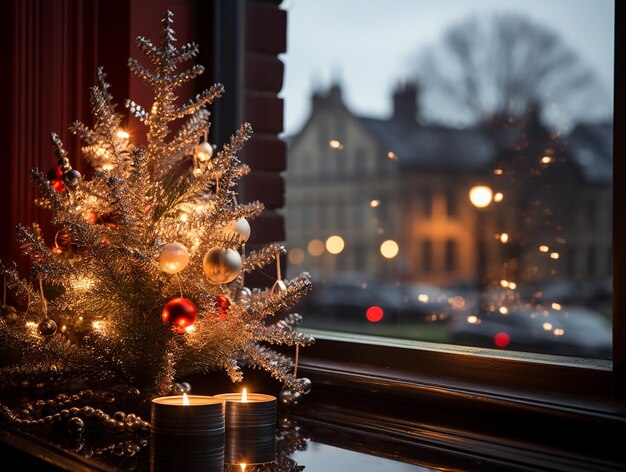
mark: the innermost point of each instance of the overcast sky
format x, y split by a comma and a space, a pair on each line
369, 44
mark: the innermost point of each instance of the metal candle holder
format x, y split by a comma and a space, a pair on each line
187, 437
250, 428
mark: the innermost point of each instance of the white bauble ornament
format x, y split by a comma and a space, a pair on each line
203, 151
174, 258
239, 227
222, 265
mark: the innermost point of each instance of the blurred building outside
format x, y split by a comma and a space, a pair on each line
395, 191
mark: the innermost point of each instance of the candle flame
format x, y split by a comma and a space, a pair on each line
185, 399
244, 396
243, 466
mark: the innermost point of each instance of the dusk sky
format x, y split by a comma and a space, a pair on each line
370, 45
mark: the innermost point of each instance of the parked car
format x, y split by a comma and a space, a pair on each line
571, 331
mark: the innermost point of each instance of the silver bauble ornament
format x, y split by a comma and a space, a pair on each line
279, 287
203, 151
306, 385
71, 178
240, 228
289, 397
9, 314
245, 294
47, 327
174, 258
222, 265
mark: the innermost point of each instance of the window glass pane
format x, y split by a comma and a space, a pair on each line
450, 170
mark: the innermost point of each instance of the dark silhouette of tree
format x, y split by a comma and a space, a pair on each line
498, 66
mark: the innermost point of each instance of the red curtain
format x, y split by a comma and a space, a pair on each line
53, 49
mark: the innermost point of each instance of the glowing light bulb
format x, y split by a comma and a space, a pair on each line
185, 399
243, 466
504, 238
244, 396
123, 134
98, 325
481, 196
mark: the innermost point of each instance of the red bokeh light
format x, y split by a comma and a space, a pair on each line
502, 339
374, 314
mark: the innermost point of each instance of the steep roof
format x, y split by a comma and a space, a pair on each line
432, 147
591, 147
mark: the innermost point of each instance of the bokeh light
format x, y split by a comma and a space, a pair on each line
389, 249
504, 238
315, 247
481, 196
296, 255
502, 339
374, 314
335, 144
335, 244
498, 197
375, 203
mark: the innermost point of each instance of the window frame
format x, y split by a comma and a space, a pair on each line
586, 388
480, 389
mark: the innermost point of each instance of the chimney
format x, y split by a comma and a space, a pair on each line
405, 102
330, 99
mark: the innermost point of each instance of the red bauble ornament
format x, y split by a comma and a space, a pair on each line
223, 305
55, 176
180, 314
62, 239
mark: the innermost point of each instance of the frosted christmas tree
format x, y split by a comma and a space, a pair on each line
148, 263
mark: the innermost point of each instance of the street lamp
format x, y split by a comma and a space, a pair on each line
481, 197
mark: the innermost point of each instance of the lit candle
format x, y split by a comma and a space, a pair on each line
187, 433
250, 427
